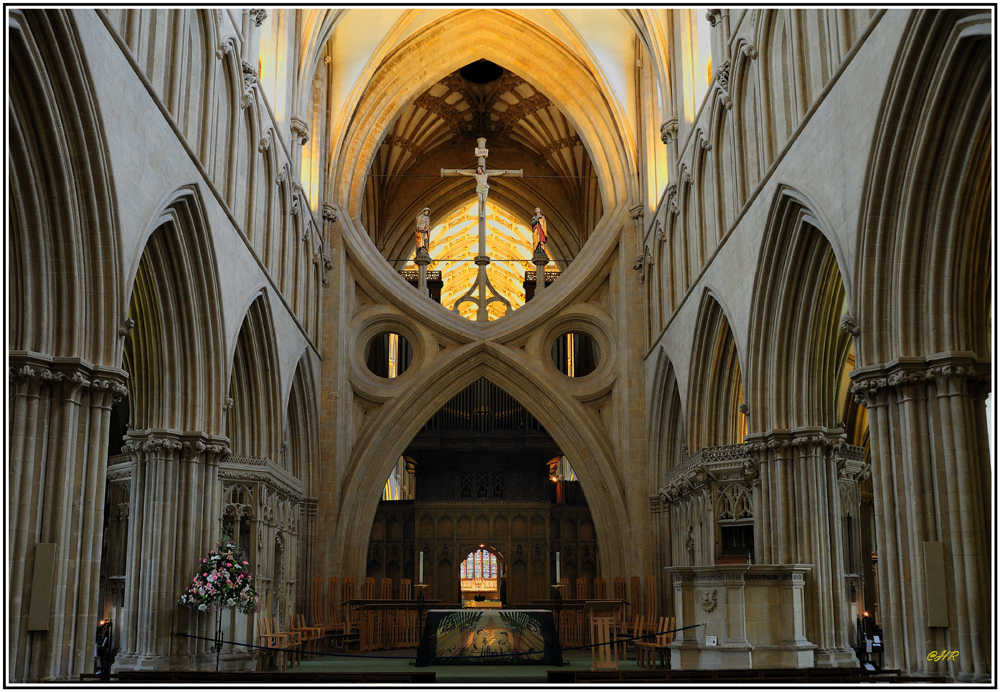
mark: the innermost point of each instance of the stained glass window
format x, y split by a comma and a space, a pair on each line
479, 571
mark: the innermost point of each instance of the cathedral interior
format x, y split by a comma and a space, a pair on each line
710, 333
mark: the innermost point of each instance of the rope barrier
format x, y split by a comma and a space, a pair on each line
418, 657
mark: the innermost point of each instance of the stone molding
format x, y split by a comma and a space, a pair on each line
728, 463
28, 369
872, 383
159, 442
237, 468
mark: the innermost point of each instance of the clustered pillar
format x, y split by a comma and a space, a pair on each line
932, 483
174, 521
59, 419
800, 523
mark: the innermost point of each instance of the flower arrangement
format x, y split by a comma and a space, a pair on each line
223, 580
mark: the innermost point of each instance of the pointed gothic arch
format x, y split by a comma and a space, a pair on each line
913, 215
64, 242
176, 364
253, 420
797, 349
715, 387
380, 443
666, 433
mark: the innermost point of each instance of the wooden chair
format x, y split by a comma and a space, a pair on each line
649, 602
351, 616
311, 636
274, 652
646, 652
600, 592
294, 643
335, 623
604, 656
581, 589
626, 638
635, 597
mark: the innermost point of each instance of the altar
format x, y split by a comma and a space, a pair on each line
469, 636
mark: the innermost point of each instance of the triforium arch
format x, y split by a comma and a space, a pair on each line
381, 442
510, 41
715, 386
253, 420
923, 344
797, 352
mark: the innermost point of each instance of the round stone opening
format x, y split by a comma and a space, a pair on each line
388, 354
575, 354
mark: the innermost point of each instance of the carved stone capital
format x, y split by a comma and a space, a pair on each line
224, 48
265, 142
127, 326
668, 131
329, 213
300, 131
956, 371
714, 16
850, 325
258, 15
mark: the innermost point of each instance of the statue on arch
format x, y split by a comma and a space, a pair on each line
538, 231
424, 230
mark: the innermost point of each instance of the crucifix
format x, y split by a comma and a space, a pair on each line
483, 283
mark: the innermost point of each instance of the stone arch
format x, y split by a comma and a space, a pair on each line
923, 351
797, 349
745, 98
382, 441
778, 79
62, 198
174, 353
715, 389
934, 132
253, 420
667, 415
509, 40
302, 422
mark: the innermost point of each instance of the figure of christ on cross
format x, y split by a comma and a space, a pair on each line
482, 176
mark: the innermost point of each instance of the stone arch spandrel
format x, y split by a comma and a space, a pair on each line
511, 41
380, 444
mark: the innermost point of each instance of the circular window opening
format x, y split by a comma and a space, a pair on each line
388, 354
481, 72
575, 354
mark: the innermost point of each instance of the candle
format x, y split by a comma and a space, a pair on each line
557, 567
420, 579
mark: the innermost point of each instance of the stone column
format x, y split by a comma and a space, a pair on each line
932, 482
175, 518
59, 419
799, 523
422, 259
539, 259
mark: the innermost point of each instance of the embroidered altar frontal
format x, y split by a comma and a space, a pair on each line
489, 636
